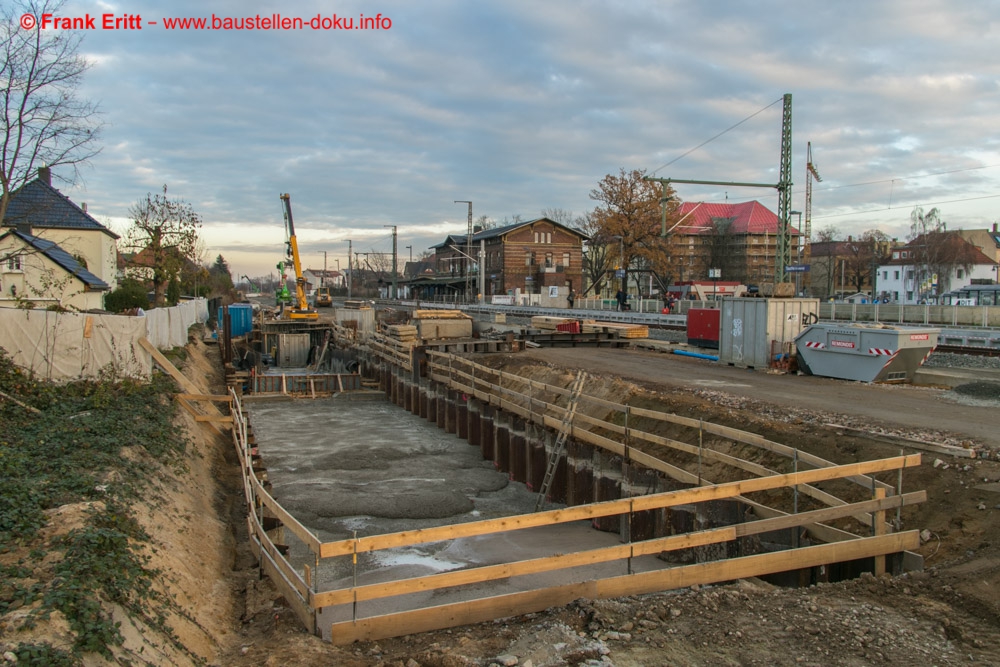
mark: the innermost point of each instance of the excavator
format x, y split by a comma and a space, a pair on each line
300, 308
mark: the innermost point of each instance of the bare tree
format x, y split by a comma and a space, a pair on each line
597, 256
164, 238
43, 122
628, 217
935, 251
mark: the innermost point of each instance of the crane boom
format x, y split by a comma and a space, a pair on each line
302, 312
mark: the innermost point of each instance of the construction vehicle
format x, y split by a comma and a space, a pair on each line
300, 307
323, 297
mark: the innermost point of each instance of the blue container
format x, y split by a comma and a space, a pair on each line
240, 319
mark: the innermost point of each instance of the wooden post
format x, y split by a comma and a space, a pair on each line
879, 530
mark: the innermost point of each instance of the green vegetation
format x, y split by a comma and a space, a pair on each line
95, 443
130, 294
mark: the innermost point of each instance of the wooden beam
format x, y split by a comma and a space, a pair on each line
607, 508
485, 609
524, 567
216, 398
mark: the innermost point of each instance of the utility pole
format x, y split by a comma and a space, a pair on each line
322, 281
350, 272
782, 256
468, 248
410, 248
394, 262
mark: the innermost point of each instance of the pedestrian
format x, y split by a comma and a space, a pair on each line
620, 297
572, 297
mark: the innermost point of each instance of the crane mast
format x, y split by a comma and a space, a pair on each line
302, 311
811, 174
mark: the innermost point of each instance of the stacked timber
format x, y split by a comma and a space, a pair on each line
354, 304
548, 322
439, 324
403, 333
623, 330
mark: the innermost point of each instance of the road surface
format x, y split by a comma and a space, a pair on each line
893, 405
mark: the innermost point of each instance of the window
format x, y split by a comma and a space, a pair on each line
885, 275
536, 237
529, 258
14, 263
566, 259
909, 296
960, 274
909, 275
548, 260
895, 275
548, 237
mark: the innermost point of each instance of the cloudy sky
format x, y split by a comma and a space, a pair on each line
522, 106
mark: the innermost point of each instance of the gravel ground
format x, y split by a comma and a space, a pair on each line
952, 360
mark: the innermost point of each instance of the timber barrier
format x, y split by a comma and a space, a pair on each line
614, 473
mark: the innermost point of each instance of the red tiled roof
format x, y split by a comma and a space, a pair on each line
748, 218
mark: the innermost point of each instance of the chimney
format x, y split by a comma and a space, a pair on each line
44, 175
83, 207
24, 228
477, 228
994, 228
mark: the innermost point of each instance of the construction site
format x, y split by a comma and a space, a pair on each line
410, 472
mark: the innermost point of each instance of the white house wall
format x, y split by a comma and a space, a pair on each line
42, 281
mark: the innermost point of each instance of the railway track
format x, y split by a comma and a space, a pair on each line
971, 350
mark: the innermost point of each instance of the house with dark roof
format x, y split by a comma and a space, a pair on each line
930, 265
740, 239
530, 257
40, 272
51, 216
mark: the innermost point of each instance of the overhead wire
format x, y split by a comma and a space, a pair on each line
707, 141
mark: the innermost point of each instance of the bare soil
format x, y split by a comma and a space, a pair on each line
947, 615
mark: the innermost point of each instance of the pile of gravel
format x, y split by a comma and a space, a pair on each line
952, 360
980, 390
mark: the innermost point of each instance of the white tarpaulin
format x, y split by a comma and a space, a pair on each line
71, 346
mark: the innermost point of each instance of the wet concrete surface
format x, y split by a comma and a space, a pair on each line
346, 468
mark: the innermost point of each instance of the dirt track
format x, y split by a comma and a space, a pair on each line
918, 408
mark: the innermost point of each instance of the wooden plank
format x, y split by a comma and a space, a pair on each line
747, 438
590, 557
607, 508
459, 613
288, 573
217, 398
921, 445
291, 523
732, 569
301, 608
165, 364
524, 567
484, 609
214, 419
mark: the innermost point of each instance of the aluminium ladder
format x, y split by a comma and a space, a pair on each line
565, 430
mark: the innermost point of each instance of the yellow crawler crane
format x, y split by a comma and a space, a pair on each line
302, 311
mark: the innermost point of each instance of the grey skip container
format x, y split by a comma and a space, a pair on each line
865, 352
749, 328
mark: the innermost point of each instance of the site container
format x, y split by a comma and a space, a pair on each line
703, 327
365, 318
749, 328
865, 352
240, 318
293, 350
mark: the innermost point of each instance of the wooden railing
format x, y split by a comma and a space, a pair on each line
530, 400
